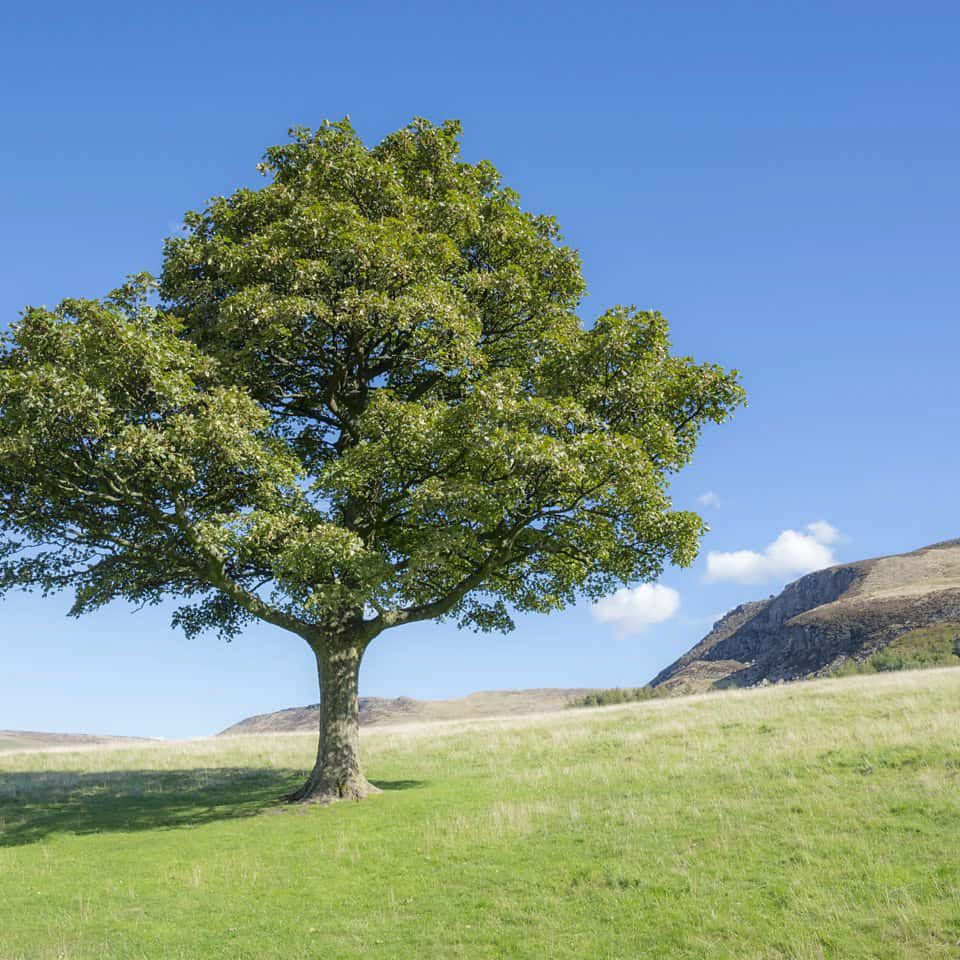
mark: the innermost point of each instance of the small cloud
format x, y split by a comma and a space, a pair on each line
633, 610
824, 532
793, 553
709, 499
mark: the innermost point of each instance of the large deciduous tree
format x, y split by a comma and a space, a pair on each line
362, 397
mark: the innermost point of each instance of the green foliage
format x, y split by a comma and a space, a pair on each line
615, 695
852, 668
112, 428
363, 398
666, 830
925, 647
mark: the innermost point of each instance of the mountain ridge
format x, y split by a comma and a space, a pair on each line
390, 710
844, 612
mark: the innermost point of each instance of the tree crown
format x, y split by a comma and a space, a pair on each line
364, 397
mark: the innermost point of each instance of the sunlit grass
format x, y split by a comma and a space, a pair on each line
805, 821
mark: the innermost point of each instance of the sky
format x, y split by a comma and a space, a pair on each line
779, 179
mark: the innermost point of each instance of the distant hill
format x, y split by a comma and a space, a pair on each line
32, 740
380, 710
885, 613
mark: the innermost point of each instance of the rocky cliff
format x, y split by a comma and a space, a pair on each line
846, 612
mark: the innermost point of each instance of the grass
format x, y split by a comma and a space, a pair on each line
817, 820
920, 649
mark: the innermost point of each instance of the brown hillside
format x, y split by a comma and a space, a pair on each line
33, 740
380, 710
844, 613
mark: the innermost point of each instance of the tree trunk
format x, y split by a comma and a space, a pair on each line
337, 774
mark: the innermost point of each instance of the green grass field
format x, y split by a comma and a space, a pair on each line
805, 821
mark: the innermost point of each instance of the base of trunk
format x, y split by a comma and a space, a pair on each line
328, 789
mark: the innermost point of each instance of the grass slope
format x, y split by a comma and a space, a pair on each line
381, 710
925, 647
817, 820
30, 740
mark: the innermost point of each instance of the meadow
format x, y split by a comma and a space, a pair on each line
812, 820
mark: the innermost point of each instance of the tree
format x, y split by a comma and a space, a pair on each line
358, 398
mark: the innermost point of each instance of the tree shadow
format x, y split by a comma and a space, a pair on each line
34, 805
37, 804
399, 784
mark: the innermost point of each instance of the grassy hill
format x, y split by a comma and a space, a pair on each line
382, 710
936, 646
31, 740
817, 820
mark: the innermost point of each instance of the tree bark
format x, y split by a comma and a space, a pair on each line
337, 774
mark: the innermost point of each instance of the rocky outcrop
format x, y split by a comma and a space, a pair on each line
696, 668
849, 611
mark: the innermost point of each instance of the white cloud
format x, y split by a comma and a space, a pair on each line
633, 610
824, 532
793, 553
709, 499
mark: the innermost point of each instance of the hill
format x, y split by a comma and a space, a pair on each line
815, 820
838, 619
384, 710
32, 740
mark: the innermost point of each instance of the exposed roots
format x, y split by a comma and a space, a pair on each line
322, 789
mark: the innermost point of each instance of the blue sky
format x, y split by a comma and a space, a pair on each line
780, 179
